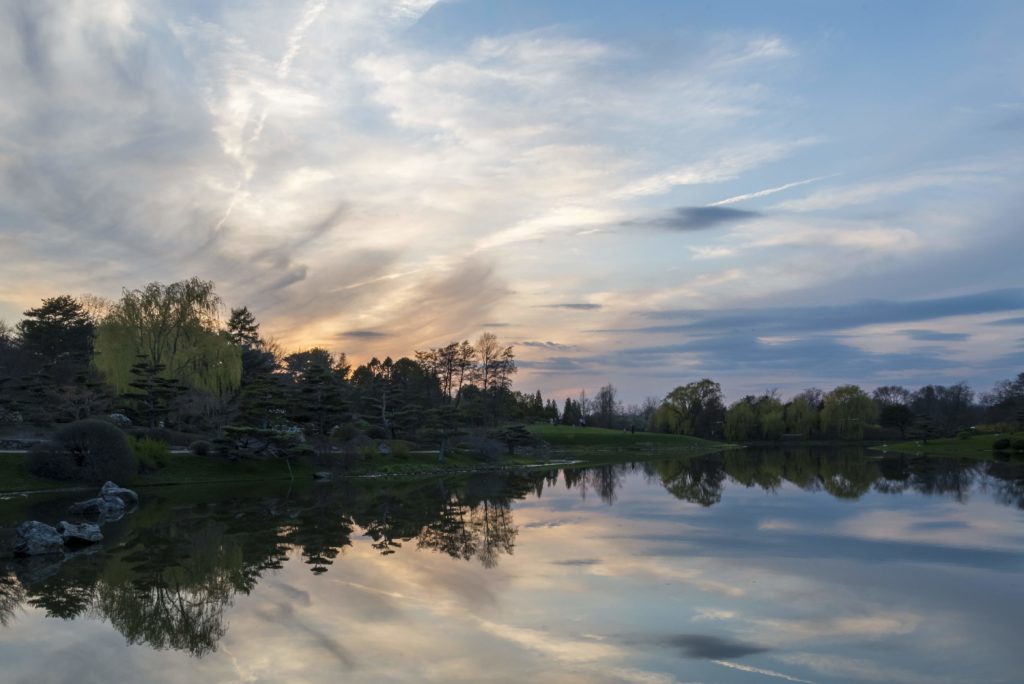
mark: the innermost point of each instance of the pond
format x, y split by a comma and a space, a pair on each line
796, 565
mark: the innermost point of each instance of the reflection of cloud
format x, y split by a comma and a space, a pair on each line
761, 671
564, 649
837, 666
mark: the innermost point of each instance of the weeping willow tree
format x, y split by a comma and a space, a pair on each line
173, 327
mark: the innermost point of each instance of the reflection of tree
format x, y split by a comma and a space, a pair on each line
493, 529
67, 594
944, 476
848, 477
485, 531
169, 573
845, 473
168, 615
171, 591
12, 594
321, 530
449, 533
698, 480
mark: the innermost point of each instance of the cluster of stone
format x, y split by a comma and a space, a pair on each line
34, 538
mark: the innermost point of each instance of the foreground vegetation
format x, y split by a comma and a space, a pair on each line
983, 446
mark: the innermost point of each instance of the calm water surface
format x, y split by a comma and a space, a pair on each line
783, 566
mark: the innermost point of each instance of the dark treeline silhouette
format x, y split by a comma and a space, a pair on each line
847, 412
176, 566
161, 363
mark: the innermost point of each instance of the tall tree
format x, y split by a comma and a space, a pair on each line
175, 326
58, 336
847, 410
692, 409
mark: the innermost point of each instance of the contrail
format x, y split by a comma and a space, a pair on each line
769, 191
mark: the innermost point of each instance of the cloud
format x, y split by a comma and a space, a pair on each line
719, 167
364, 334
547, 345
936, 336
575, 306
698, 218
817, 318
1008, 321
707, 647
869, 192
577, 561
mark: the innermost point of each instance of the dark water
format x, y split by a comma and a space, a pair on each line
795, 566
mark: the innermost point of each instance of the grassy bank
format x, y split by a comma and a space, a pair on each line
583, 441
581, 445
14, 477
180, 469
975, 446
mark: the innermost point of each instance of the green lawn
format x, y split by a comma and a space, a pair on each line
568, 436
14, 477
180, 469
976, 446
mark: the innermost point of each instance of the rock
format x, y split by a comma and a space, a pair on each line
107, 509
321, 475
80, 534
110, 489
37, 539
384, 449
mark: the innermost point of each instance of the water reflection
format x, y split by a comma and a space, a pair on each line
167, 576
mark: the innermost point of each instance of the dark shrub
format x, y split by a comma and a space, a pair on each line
86, 451
200, 447
483, 449
1018, 444
963, 434
1001, 444
377, 432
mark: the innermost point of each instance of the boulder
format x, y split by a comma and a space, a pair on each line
79, 534
321, 475
110, 489
37, 539
107, 509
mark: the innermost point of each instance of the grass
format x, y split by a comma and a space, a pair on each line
600, 445
568, 436
179, 469
15, 478
582, 445
975, 446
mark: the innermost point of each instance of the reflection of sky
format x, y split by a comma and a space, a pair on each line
784, 586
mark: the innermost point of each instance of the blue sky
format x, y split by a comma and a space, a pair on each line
770, 194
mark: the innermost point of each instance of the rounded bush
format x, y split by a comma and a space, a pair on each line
1001, 444
1018, 444
200, 447
85, 451
963, 434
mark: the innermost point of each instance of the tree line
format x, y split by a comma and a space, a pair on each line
163, 358
846, 412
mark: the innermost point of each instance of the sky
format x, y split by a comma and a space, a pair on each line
773, 195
